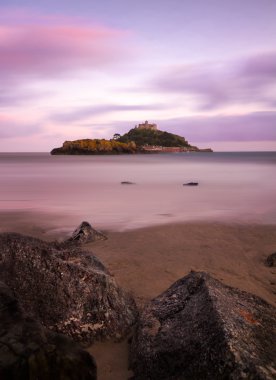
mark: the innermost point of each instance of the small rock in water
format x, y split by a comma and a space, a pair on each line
127, 183
202, 329
86, 234
271, 260
190, 184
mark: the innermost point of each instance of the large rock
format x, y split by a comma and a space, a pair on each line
86, 234
64, 288
28, 351
202, 329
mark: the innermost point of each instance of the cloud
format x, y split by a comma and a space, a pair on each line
10, 97
11, 127
246, 81
249, 127
38, 47
91, 111
54, 46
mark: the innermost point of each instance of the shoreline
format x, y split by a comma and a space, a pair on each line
222, 248
58, 226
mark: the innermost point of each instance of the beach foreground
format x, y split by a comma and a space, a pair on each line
147, 261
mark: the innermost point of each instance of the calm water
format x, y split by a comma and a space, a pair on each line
232, 187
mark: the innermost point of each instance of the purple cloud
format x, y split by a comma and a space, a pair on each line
35, 46
10, 127
10, 97
242, 82
261, 66
53, 46
255, 126
90, 111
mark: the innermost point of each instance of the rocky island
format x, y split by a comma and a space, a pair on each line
144, 138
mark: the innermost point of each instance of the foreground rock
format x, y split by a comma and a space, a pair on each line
64, 288
202, 329
271, 260
86, 234
28, 351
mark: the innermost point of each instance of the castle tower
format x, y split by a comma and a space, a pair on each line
147, 125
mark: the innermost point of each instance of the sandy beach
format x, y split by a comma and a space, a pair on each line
147, 261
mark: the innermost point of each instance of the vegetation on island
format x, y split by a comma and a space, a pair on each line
95, 146
154, 137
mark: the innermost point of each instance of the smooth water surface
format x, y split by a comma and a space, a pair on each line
232, 187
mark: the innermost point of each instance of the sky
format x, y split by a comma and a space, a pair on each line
204, 69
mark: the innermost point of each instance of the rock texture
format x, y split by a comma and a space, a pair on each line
271, 260
202, 329
65, 288
86, 234
28, 351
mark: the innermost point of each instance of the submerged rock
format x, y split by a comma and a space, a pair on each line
190, 184
29, 351
202, 329
66, 289
271, 260
86, 234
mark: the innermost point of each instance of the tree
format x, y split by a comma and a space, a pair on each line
116, 136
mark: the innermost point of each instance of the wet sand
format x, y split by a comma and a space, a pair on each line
147, 261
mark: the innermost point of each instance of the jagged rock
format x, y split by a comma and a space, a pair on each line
201, 329
66, 289
29, 351
190, 184
86, 234
271, 260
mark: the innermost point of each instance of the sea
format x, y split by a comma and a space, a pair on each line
237, 187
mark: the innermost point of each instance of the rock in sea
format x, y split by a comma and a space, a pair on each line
190, 184
29, 351
202, 329
65, 288
86, 234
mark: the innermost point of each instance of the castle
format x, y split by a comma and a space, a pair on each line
146, 125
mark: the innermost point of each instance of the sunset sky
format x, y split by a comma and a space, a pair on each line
204, 69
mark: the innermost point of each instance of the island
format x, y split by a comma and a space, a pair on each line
144, 138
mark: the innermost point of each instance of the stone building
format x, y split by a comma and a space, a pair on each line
147, 125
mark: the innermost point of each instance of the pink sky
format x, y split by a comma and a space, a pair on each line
73, 71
